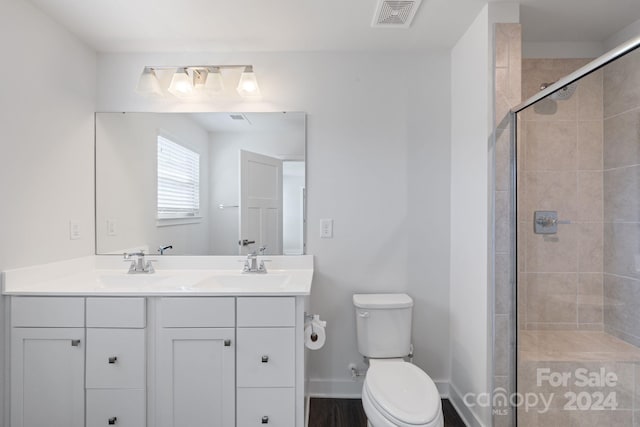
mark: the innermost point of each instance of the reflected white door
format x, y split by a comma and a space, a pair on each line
260, 202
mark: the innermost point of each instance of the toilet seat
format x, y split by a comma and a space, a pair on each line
397, 393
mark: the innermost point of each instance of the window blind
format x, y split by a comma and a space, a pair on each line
178, 180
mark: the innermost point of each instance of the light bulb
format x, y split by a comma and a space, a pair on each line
181, 84
248, 84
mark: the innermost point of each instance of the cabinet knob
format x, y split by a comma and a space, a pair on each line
75, 343
265, 359
112, 421
227, 343
265, 420
113, 359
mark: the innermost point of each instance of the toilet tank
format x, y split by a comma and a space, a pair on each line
383, 323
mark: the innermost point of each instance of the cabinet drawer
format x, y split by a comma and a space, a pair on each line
198, 312
115, 358
261, 312
266, 357
50, 312
266, 406
115, 313
121, 408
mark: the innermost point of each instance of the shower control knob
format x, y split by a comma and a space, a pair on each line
265, 420
265, 359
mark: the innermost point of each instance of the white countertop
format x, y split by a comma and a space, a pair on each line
106, 275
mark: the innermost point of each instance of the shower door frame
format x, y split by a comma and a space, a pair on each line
592, 66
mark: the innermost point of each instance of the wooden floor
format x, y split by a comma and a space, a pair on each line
349, 413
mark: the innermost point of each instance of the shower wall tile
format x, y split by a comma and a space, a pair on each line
503, 223
622, 84
621, 136
551, 146
622, 249
621, 314
589, 196
553, 253
501, 353
589, 94
508, 70
503, 159
590, 247
552, 298
590, 134
621, 194
504, 287
590, 284
553, 191
590, 313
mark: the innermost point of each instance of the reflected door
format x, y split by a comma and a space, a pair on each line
260, 203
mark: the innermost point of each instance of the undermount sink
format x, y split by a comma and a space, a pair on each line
239, 281
110, 280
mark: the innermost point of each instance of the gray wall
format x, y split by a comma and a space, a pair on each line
622, 198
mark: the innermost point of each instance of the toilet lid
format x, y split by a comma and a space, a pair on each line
403, 392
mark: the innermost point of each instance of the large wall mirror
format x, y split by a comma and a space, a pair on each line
200, 183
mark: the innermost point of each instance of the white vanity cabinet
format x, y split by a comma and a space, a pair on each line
47, 362
62, 363
156, 361
195, 377
266, 361
116, 362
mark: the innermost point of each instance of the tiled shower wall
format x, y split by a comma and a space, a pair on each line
508, 61
622, 198
561, 169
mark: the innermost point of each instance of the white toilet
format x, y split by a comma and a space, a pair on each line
395, 392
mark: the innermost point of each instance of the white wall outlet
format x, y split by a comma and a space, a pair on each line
112, 227
74, 230
326, 228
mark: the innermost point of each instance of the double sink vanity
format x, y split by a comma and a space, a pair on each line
195, 343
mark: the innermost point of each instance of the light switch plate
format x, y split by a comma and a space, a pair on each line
326, 228
74, 230
112, 227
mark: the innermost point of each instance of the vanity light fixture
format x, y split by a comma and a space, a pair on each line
148, 83
248, 84
190, 80
181, 83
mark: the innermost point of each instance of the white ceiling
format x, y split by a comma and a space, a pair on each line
314, 25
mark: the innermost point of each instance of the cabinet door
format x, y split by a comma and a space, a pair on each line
196, 377
47, 377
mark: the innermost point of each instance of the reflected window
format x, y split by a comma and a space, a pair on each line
178, 180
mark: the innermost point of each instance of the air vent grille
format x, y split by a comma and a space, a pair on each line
395, 14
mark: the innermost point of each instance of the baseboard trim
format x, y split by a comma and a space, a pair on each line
468, 416
348, 389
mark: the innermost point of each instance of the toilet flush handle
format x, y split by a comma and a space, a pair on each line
363, 313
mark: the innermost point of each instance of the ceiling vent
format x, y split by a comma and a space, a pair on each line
395, 14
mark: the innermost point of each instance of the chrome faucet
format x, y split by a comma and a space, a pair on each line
161, 249
251, 263
138, 264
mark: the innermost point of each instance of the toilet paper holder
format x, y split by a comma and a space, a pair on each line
314, 319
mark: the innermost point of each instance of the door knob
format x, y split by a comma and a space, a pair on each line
265, 359
265, 420
112, 421
75, 343
113, 359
